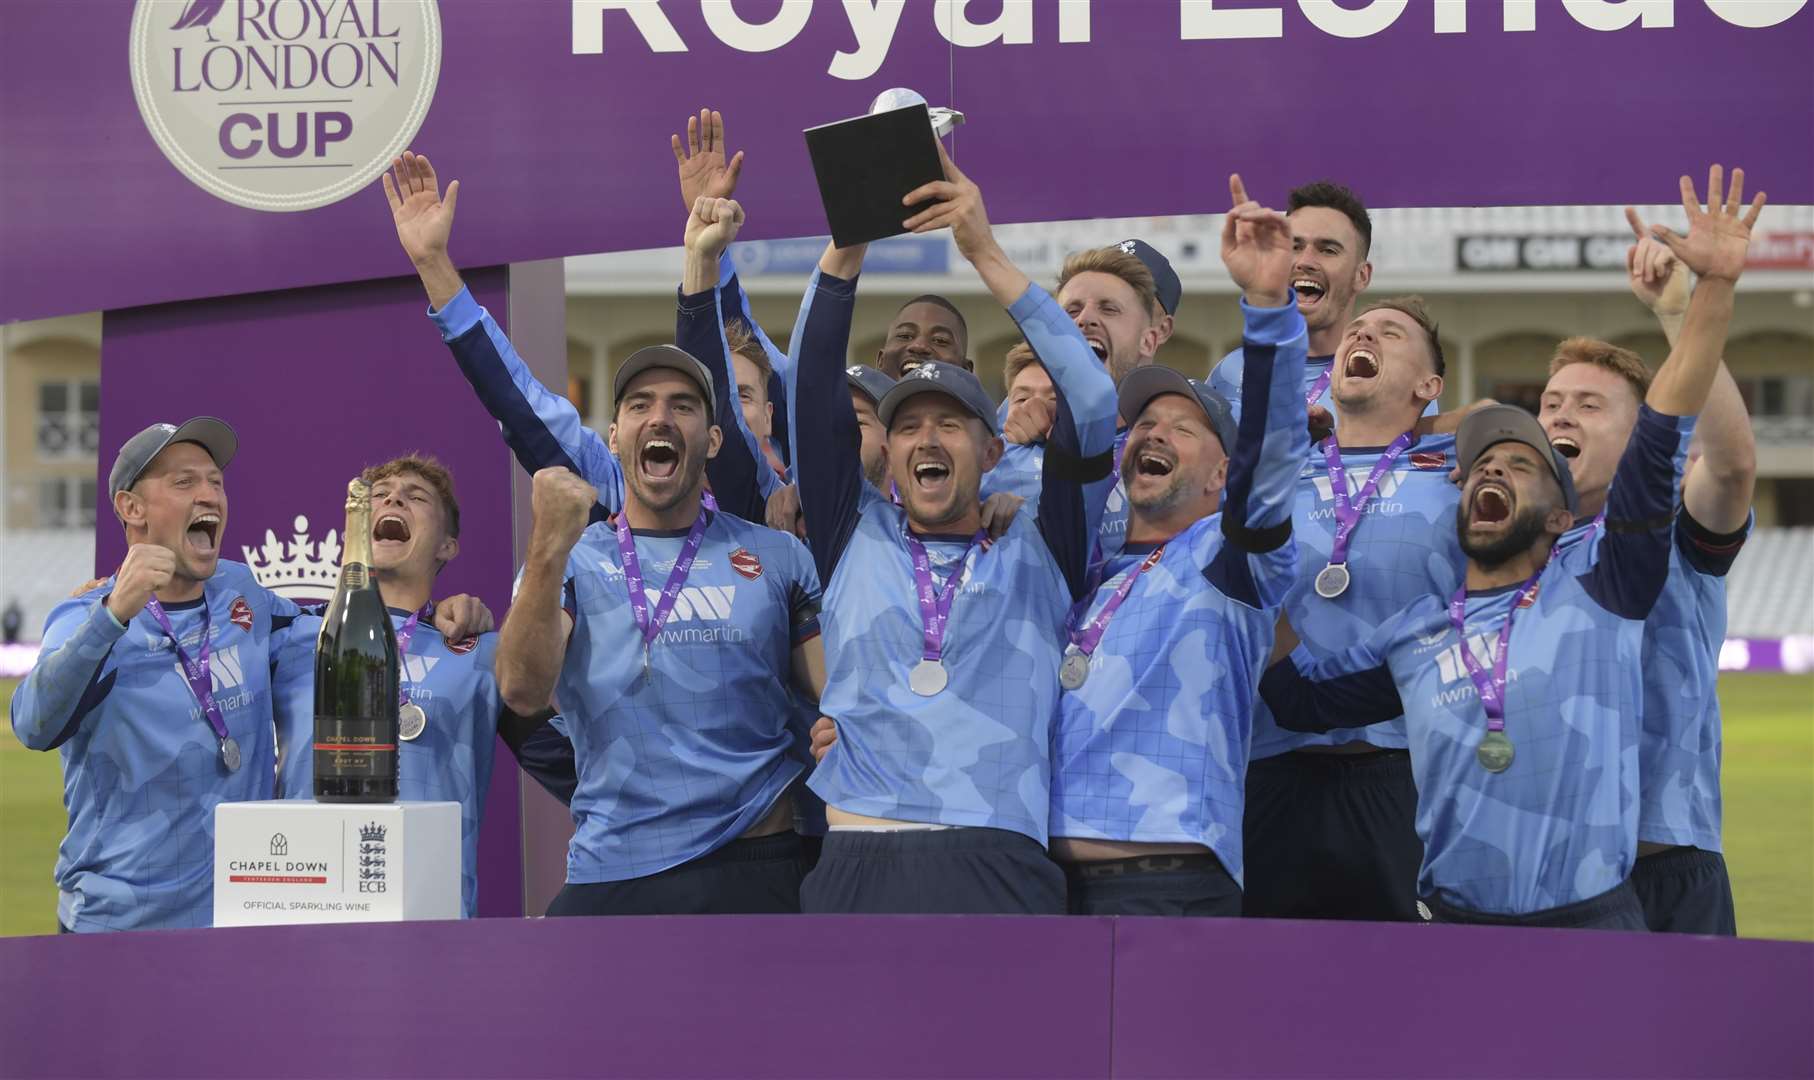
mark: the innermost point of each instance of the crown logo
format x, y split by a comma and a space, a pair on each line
371, 833
301, 568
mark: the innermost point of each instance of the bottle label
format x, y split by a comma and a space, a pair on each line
355, 748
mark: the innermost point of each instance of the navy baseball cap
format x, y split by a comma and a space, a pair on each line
1171, 290
210, 433
1494, 424
1143, 384
673, 358
935, 377
868, 381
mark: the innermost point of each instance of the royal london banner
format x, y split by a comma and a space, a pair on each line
170, 149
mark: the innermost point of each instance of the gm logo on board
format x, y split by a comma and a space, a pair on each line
284, 105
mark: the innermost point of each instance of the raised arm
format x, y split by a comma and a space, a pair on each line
1273, 440
1633, 558
1715, 247
542, 428
827, 443
1082, 438
737, 473
1719, 485
533, 643
70, 677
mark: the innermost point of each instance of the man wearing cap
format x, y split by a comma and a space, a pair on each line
1159, 676
1330, 821
1589, 409
942, 647
675, 695
1527, 779
154, 685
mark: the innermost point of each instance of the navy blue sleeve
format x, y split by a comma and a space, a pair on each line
828, 462
1632, 560
733, 474
542, 429
1703, 549
734, 303
1351, 699
542, 751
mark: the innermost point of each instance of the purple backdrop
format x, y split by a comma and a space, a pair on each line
320, 383
797, 996
562, 153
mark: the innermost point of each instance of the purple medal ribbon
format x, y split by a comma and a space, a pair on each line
1086, 639
650, 624
404, 634
1348, 513
935, 609
196, 673
1491, 688
1321, 384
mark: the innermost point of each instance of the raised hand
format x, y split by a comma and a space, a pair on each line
783, 511
146, 569
460, 617
712, 225
1718, 236
703, 169
958, 205
1256, 248
999, 512
1028, 421
561, 504
424, 220
1653, 272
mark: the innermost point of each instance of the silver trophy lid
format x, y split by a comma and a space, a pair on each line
899, 97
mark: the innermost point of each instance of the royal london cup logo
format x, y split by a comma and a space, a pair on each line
284, 105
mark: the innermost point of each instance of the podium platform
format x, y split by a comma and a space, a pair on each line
295, 861
799, 996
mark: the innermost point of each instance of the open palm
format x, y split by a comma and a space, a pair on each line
424, 220
704, 169
1718, 236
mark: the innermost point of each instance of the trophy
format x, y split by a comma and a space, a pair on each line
899, 97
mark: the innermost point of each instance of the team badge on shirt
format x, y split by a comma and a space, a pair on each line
1530, 597
240, 614
464, 645
1428, 460
745, 562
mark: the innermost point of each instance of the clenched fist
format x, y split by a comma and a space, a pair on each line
148, 568
561, 503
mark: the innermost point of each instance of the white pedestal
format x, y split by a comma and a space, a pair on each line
294, 861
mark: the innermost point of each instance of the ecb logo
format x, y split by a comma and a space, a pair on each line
284, 105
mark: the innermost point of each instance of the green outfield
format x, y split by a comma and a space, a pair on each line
1769, 781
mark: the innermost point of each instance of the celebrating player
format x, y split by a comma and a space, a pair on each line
943, 648
1159, 676
1528, 787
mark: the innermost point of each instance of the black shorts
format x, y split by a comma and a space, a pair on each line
1331, 836
1194, 885
968, 871
760, 876
1685, 890
1615, 909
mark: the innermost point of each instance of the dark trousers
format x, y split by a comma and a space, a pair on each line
1615, 909
1331, 836
745, 877
1685, 890
969, 871
1192, 885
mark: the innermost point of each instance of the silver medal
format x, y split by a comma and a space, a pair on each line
1494, 752
229, 754
410, 721
927, 678
1332, 580
1075, 670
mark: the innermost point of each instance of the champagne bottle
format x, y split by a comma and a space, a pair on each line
356, 675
